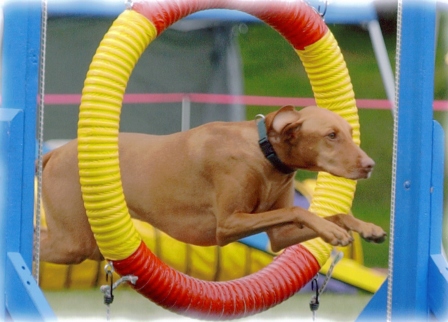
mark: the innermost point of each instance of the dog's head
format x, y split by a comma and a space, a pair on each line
317, 139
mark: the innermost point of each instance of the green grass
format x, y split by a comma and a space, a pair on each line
128, 305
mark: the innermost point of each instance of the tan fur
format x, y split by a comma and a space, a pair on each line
212, 185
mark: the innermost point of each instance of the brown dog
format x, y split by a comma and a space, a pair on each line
212, 185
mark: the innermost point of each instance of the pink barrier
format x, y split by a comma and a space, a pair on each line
75, 99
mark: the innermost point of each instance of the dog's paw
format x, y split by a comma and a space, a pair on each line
337, 237
373, 234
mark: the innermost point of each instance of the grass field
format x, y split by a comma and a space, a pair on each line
131, 306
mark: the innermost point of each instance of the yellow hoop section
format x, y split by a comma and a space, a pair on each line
98, 127
333, 90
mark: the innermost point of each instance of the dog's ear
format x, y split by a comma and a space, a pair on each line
291, 130
284, 122
278, 120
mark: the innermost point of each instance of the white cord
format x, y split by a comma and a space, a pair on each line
394, 165
40, 137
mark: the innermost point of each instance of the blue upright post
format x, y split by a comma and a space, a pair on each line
21, 298
414, 159
417, 288
20, 65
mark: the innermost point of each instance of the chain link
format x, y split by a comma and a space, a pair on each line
40, 139
394, 164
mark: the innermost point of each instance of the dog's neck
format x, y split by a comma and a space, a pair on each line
268, 149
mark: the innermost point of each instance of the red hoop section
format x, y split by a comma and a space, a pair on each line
298, 22
188, 296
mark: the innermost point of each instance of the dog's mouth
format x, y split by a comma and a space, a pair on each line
366, 174
362, 173
354, 174
363, 169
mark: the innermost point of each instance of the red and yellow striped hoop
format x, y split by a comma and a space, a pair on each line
100, 176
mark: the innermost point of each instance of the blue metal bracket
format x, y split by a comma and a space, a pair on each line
11, 128
24, 299
437, 288
376, 308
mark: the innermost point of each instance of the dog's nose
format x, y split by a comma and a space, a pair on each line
367, 163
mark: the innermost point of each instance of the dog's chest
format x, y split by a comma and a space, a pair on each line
273, 196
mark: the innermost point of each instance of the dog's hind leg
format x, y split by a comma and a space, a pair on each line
63, 249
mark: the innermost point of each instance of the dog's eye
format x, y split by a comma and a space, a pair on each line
332, 135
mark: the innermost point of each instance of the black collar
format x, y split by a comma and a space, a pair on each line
268, 149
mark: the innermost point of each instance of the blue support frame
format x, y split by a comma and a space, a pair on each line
20, 296
414, 157
21, 51
419, 281
340, 12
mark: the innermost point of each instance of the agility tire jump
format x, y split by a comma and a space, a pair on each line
100, 176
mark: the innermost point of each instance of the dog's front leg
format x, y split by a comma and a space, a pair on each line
368, 231
238, 225
287, 235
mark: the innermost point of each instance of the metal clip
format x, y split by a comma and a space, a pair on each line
314, 303
108, 289
322, 14
129, 4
